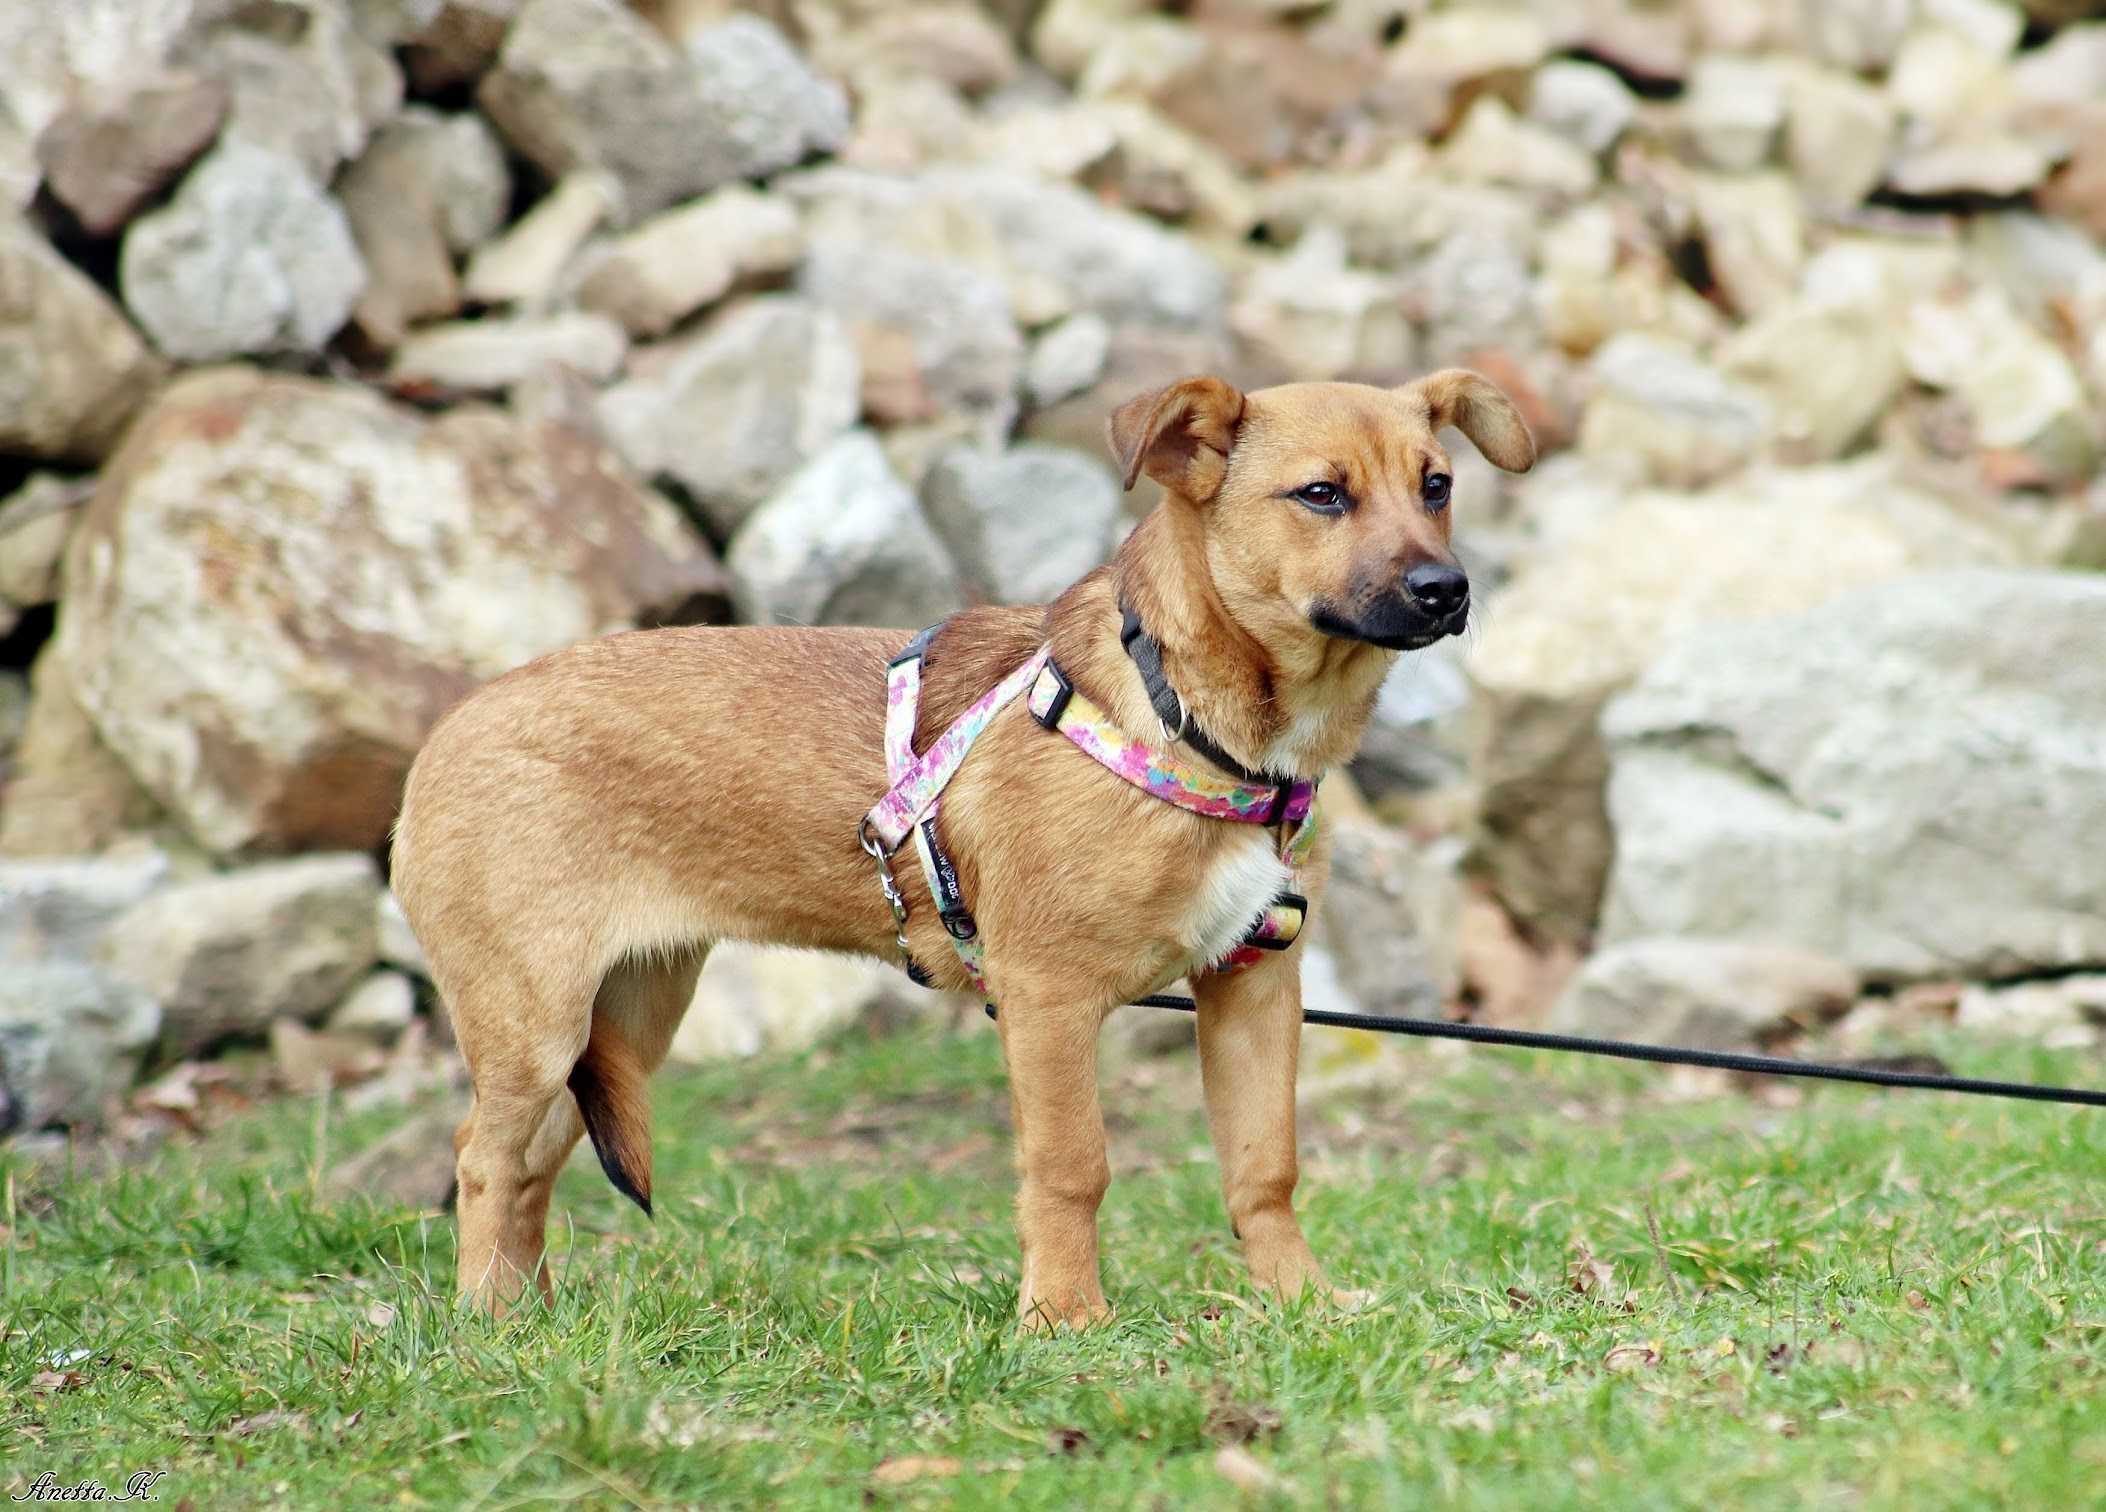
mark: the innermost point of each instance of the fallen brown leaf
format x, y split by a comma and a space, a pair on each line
57, 1380
271, 1420
1517, 1298
1067, 1441
914, 1467
1233, 1422
1588, 1274
1633, 1356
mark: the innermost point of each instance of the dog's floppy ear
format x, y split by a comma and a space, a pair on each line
1180, 435
1473, 404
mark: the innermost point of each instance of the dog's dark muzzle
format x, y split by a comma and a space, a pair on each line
1431, 602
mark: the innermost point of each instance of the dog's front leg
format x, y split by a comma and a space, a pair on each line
1250, 1028
1051, 1049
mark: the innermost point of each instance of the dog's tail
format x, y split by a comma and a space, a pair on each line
613, 1092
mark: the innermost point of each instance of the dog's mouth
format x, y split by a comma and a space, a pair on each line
1393, 626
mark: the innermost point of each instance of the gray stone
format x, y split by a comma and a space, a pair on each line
399, 946
526, 265
1582, 102
733, 411
1067, 358
57, 909
1710, 994
842, 543
589, 84
751, 999
303, 84
67, 793
1838, 131
1389, 918
72, 369
1680, 416
951, 323
2064, 1014
249, 257
279, 709
2020, 389
674, 264
227, 954
1025, 523
1910, 778
1319, 319
1585, 617
483, 356
104, 162
71, 1039
1733, 110
380, 1007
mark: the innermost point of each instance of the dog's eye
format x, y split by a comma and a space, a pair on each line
1435, 491
1324, 498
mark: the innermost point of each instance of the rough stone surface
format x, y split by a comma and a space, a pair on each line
1389, 916
249, 257
1909, 779
226, 955
1067, 358
749, 1000
1024, 523
588, 84
1684, 420
35, 524
72, 369
68, 793
279, 708
483, 356
1710, 994
380, 1007
1580, 623
843, 542
731, 412
104, 162
57, 909
526, 265
71, 1039
671, 266
399, 946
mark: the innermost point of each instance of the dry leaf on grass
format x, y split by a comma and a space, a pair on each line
57, 1380
1589, 1275
914, 1467
271, 1420
1067, 1441
1633, 1356
1233, 1422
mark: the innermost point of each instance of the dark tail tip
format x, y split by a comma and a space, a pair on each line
608, 1083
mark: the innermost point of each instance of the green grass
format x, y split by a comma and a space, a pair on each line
1866, 1299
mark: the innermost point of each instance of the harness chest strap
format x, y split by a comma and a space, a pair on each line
913, 803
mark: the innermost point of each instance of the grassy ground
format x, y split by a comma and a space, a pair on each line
1864, 1299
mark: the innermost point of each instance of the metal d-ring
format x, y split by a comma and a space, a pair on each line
1184, 723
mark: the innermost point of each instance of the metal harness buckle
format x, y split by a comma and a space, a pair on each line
875, 850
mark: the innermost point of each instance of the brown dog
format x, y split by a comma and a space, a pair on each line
577, 834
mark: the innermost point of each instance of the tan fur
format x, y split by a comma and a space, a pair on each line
576, 834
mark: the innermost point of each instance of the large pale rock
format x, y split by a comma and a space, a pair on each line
457, 44
1754, 230
35, 524
283, 582
1067, 358
72, 369
1320, 319
950, 322
674, 264
1827, 371
1494, 146
71, 1039
733, 411
1710, 994
104, 161
1911, 779
227, 954
58, 55
1389, 916
250, 256
588, 84
483, 356
68, 793
1575, 626
303, 83
57, 909
1838, 131
526, 265
1686, 422
1024, 523
1582, 102
2021, 391
429, 188
750, 999
1733, 110
843, 542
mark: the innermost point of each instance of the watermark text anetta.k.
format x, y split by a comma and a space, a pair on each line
47, 1487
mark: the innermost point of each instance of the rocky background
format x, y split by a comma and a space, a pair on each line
353, 351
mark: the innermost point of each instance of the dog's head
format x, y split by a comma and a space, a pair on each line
1325, 506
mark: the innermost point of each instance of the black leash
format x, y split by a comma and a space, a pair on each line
1671, 1055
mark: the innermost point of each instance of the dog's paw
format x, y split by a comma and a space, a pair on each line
1038, 1316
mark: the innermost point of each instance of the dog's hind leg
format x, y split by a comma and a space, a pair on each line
544, 1077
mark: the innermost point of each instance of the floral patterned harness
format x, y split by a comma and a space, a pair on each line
912, 804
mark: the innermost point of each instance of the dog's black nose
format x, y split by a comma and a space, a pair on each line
1440, 590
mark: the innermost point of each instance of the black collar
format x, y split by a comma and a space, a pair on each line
1177, 721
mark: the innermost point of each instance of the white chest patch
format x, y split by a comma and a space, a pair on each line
1242, 881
